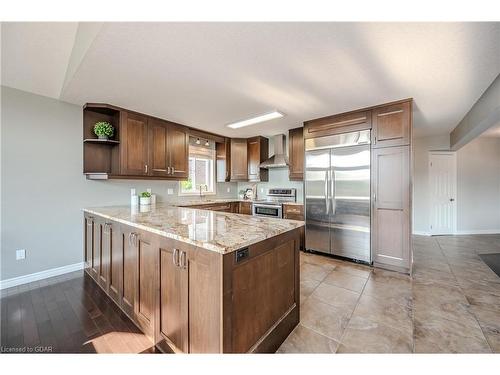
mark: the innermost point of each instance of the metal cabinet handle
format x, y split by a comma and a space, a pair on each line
183, 260
452, 199
326, 192
172, 170
146, 168
175, 257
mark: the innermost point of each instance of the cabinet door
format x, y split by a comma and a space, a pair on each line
258, 151
89, 241
337, 124
296, 154
145, 290
178, 149
391, 206
134, 145
239, 168
106, 244
223, 157
96, 249
245, 208
159, 162
115, 262
173, 318
129, 278
391, 125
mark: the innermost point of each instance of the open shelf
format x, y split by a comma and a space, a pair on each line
101, 141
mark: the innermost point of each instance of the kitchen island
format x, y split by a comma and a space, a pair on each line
198, 281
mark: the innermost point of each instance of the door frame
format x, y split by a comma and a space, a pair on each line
432, 231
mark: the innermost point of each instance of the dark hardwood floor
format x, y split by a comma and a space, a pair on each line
66, 314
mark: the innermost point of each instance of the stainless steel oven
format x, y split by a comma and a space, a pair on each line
269, 210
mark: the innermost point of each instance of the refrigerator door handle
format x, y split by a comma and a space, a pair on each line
326, 193
332, 190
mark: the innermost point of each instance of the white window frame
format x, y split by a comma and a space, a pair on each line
214, 183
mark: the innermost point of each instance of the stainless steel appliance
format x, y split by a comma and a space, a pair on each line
272, 205
337, 195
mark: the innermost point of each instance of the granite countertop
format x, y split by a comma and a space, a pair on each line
221, 232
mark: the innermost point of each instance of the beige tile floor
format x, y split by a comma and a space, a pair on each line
451, 303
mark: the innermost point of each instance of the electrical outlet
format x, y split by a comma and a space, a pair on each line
228, 190
170, 191
20, 254
261, 190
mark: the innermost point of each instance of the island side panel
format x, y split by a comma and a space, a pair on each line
261, 295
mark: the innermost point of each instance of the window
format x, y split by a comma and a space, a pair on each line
201, 169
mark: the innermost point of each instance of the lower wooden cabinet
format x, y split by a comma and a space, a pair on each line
391, 192
245, 208
175, 292
172, 328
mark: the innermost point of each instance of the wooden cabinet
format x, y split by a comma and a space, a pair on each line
258, 151
89, 240
115, 276
296, 154
142, 147
391, 207
134, 145
245, 208
129, 267
337, 124
293, 211
145, 283
106, 244
173, 320
391, 125
239, 158
223, 158
168, 149
95, 264
178, 147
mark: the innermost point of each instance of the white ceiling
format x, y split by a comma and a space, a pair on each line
209, 74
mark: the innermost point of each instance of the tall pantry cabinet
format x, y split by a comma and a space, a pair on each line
391, 186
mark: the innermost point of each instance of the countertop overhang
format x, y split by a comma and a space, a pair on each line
221, 232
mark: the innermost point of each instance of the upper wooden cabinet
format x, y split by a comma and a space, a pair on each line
296, 154
223, 158
391, 125
258, 151
168, 149
142, 146
239, 157
337, 124
134, 145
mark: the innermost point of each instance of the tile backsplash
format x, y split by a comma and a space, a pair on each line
278, 178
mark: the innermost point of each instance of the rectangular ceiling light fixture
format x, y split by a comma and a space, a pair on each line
256, 120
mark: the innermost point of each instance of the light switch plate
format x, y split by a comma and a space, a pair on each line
20, 254
170, 191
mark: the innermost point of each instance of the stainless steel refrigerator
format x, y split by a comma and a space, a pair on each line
337, 195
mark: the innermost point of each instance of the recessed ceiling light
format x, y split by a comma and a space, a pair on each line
256, 120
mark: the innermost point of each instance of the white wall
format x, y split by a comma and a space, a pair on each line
478, 184
478, 175
43, 189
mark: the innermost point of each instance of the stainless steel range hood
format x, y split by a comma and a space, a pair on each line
279, 159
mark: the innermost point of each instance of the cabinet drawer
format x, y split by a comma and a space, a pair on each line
343, 123
293, 210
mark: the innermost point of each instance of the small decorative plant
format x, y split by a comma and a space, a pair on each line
103, 129
145, 198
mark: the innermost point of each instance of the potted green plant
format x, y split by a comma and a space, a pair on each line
145, 198
103, 130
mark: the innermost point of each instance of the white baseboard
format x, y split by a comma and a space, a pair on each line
421, 233
15, 281
478, 231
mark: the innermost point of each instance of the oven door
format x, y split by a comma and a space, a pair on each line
268, 210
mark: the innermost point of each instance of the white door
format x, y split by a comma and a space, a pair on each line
443, 192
